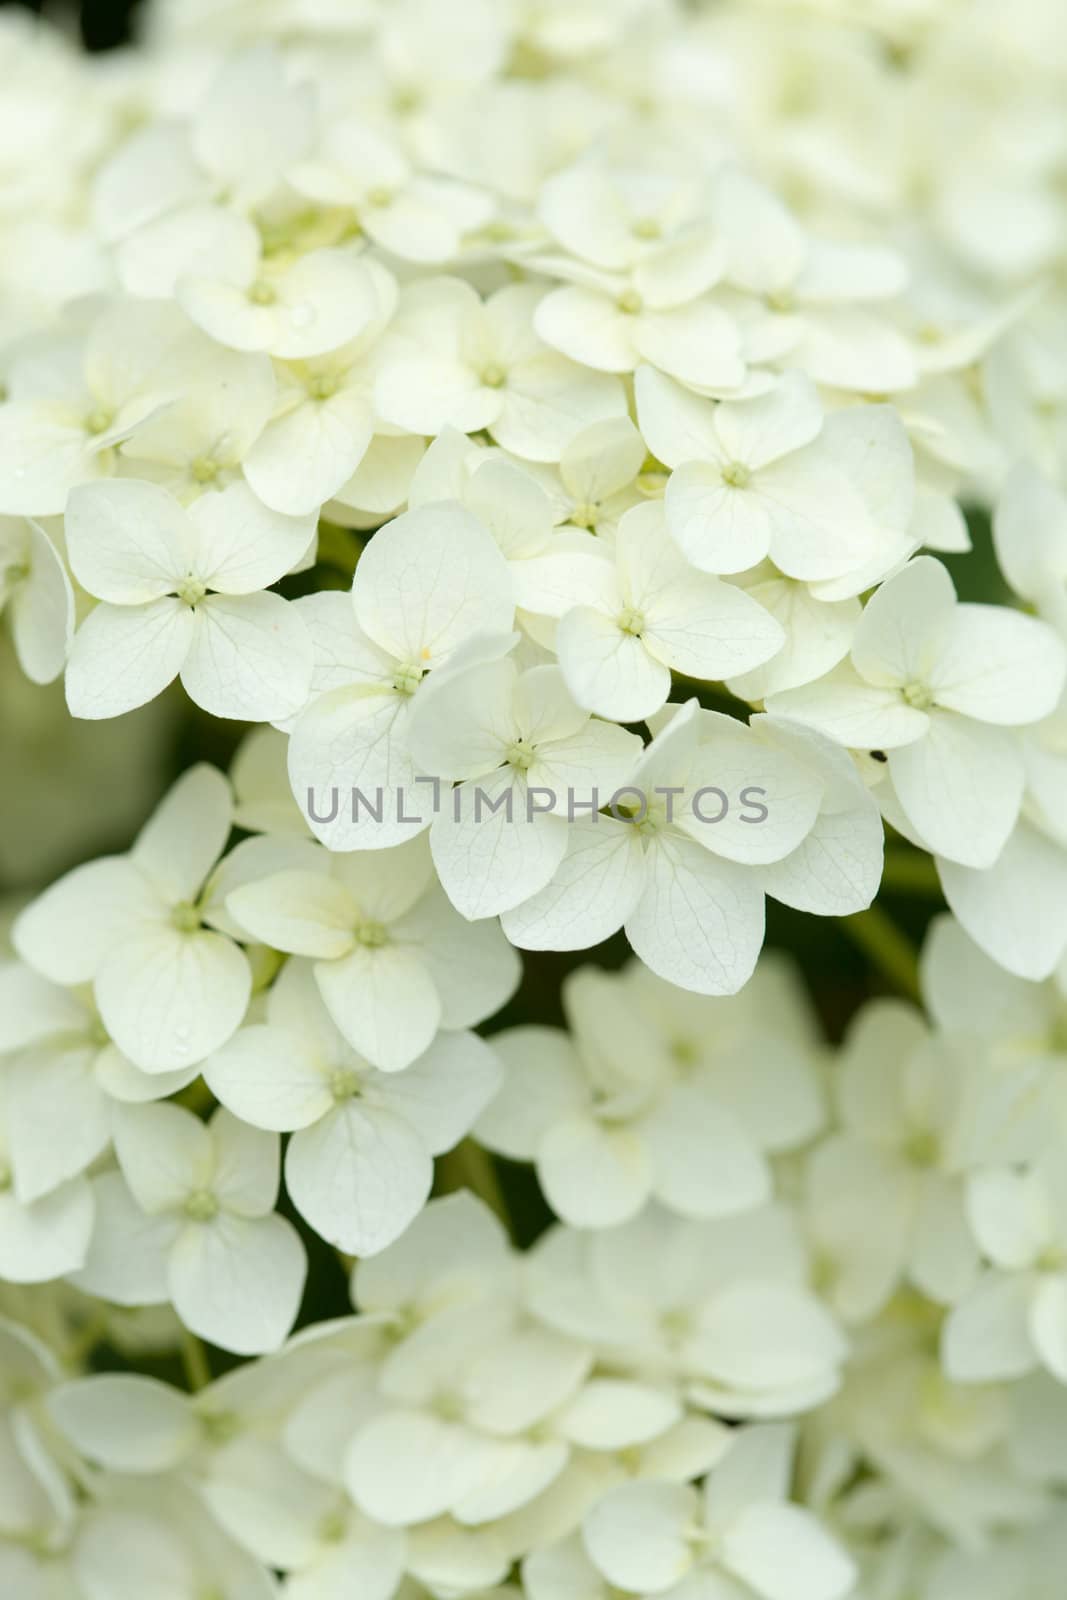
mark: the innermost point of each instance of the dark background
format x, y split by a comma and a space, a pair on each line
102, 23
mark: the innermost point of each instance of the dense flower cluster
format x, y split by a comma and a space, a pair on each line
550, 424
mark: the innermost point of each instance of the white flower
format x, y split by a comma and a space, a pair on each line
71, 398
940, 686
505, 496
463, 1396
603, 321
907, 1103
652, 222
600, 473
264, 802
1016, 910
182, 596
251, 301
412, 214
1015, 1317
359, 1165
623, 1112
323, 423
46, 1234
200, 438
526, 755
250, 125
743, 1530
120, 1550
36, 596
681, 874
62, 1076
1009, 1022
720, 1307
626, 624
294, 1521
455, 1250
1030, 533
393, 961
818, 290
213, 1246
452, 360
762, 477
428, 583
169, 988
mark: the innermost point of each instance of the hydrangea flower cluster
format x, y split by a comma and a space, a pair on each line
548, 474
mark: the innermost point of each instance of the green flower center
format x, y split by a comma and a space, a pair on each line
918, 695
631, 621
520, 754
324, 385
407, 677
191, 591
201, 1206
344, 1084
185, 917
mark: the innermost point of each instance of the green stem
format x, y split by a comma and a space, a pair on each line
891, 951
910, 872
195, 1362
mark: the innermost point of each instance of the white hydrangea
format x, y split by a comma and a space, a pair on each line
594, 473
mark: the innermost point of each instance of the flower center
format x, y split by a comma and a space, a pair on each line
185, 917
191, 590
201, 1206
918, 695
407, 677
371, 935
99, 420
631, 621
323, 385
380, 196
449, 1406
262, 293
205, 469
630, 302
333, 1527
520, 754
646, 228
221, 1426
736, 474
494, 376
344, 1084
922, 1148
